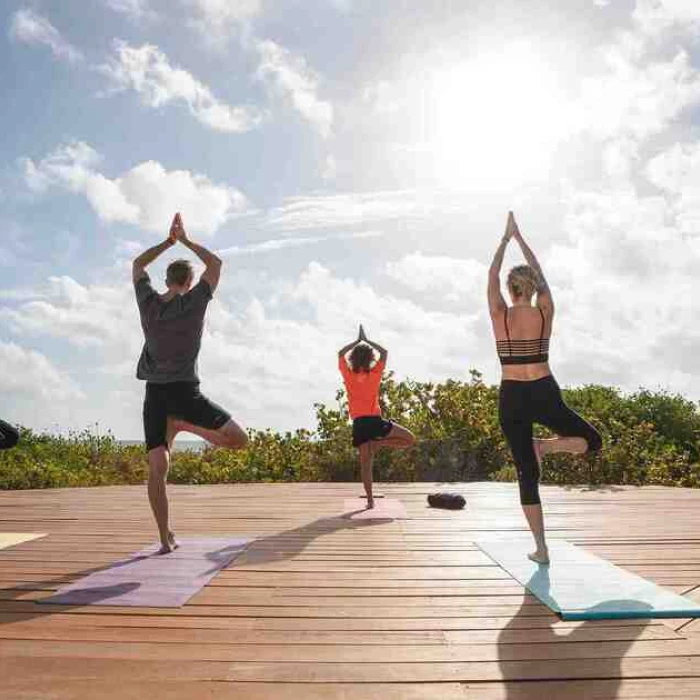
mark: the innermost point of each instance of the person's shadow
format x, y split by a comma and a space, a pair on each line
529, 652
260, 550
290, 543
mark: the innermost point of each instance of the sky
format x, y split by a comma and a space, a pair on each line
351, 161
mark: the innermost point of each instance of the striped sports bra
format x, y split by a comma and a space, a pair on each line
522, 352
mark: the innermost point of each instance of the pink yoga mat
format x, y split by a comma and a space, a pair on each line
384, 509
151, 580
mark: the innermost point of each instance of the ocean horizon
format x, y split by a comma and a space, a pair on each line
178, 446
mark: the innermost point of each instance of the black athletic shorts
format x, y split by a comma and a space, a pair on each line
181, 400
367, 428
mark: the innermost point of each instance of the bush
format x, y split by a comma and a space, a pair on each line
649, 438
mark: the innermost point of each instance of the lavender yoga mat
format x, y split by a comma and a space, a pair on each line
151, 580
384, 509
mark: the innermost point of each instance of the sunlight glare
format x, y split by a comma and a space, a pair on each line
498, 117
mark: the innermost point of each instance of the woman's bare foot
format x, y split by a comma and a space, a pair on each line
540, 556
370, 502
165, 549
172, 541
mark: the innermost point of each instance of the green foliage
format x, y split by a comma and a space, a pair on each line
649, 438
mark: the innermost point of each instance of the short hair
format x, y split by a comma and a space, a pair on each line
179, 273
361, 358
523, 281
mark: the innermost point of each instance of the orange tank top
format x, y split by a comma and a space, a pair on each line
362, 389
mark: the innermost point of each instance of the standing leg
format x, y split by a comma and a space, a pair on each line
160, 432
158, 465
519, 436
517, 427
366, 459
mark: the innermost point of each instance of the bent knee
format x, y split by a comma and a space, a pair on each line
235, 439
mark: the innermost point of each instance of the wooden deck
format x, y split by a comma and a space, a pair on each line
323, 607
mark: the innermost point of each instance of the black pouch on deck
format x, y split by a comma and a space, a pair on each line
451, 501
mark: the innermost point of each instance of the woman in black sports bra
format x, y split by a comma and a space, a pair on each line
529, 393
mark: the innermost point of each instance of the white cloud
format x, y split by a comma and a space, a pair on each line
216, 20
330, 168
290, 77
32, 28
656, 16
136, 10
446, 279
146, 195
98, 316
636, 96
147, 71
284, 243
364, 208
28, 373
677, 172
624, 284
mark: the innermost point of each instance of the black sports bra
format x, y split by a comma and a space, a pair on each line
522, 352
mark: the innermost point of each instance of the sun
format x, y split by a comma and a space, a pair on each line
497, 118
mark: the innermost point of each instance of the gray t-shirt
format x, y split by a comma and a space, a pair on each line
173, 332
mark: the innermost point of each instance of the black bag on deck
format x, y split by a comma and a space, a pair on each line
452, 501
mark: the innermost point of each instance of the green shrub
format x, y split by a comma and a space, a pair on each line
649, 438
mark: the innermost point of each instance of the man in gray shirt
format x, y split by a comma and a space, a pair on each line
172, 326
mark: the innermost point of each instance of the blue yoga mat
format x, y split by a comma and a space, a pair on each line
581, 586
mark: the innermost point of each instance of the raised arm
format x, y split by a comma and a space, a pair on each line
138, 267
383, 353
212, 262
544, 294
497, 304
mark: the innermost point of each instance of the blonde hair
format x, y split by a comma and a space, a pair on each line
523, 281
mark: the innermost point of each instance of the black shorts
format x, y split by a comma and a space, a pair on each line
181, 400
368, 428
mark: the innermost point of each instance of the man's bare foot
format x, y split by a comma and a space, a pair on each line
540, 556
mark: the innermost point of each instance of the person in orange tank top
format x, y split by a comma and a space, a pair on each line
370, 430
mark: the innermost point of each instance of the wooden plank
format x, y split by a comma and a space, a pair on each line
364, 654
60, 668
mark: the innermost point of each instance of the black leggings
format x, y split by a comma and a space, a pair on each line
523, 403
8, 436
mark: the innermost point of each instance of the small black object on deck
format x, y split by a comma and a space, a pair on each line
451, 501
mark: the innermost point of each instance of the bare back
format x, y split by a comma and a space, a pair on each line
523, 323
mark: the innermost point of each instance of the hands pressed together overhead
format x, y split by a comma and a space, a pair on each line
512, 230
177, 230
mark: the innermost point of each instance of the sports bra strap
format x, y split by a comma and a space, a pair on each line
505, 322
